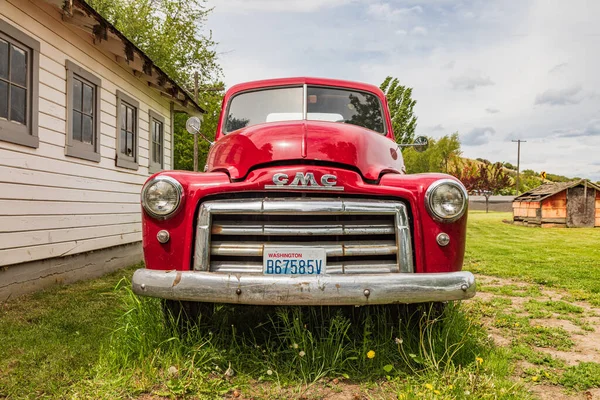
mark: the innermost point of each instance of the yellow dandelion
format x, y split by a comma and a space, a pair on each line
370, 354
450, 387
479, 360
429, 386
401, 396
437, 392
535, 378
546, 374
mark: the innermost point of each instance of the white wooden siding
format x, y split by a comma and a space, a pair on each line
52, 205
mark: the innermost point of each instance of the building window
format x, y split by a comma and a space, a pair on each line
127, 128
83, 113
156, 142
19, 70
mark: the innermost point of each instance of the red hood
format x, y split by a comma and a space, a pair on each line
369, 152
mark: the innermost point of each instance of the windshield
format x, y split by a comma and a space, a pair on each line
322, 104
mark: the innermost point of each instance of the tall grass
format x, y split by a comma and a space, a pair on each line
287, 345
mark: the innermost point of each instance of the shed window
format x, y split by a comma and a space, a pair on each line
127, 128
83, 99
157, 123
19, 63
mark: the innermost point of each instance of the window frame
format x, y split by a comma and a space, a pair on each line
154, 166
25, 135
75, 148
305, 87
123, 160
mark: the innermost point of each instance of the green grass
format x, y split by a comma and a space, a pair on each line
566, 258
98, 340
51, 340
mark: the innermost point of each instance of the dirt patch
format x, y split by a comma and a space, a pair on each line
587, 342
331, 390
549, 392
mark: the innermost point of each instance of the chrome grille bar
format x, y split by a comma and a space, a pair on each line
343, 249
283, 228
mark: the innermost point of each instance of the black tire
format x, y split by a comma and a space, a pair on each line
185, 314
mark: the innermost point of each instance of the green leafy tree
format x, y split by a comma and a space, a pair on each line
170, 32
448, 151
184, 141
441, 154
401, 106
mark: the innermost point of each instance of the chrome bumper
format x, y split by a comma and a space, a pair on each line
339, 289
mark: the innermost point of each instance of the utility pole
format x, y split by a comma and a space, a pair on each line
519, 160
196, 136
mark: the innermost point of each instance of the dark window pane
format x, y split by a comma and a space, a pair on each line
18, 66
130, 144
3, 59
77, 94
88, 99
123, 141
3, 100
77, 130
129, 119
18, 104
87, 131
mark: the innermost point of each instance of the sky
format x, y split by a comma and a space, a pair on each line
495, 71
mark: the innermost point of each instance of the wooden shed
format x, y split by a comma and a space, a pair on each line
573, 204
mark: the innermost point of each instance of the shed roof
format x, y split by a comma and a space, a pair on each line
106, 37
549, 189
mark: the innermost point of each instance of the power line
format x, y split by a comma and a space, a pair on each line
519, 160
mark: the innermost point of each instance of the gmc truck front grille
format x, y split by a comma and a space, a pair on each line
359, 236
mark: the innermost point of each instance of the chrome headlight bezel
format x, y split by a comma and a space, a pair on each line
174, 183
429, 196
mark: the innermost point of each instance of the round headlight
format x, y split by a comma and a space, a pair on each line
161, 196
446, 200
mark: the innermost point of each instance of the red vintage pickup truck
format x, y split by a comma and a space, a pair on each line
305, 201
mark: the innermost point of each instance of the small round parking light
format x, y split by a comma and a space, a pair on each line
163, 236
443, 239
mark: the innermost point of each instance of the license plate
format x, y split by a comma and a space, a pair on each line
294, 261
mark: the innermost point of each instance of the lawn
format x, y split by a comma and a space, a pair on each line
97, 340
555, 257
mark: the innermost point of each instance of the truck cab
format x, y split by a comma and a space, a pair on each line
305, 200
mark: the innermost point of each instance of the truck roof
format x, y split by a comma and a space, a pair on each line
305, 80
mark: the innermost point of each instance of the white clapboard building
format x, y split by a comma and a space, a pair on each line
85, 119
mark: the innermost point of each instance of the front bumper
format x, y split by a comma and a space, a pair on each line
363, 289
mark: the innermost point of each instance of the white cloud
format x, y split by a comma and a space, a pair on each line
477, 136
288, 6
470, 81
419, 30
558, 68
560, 97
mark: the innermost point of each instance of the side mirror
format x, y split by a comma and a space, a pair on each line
420, 144
192, 125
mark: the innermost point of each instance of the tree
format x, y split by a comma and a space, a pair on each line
440, 155
448, 150
401, 105
170, 33
483, 179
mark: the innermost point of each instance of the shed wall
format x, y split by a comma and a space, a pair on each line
554, 209
597, 208
52, 205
